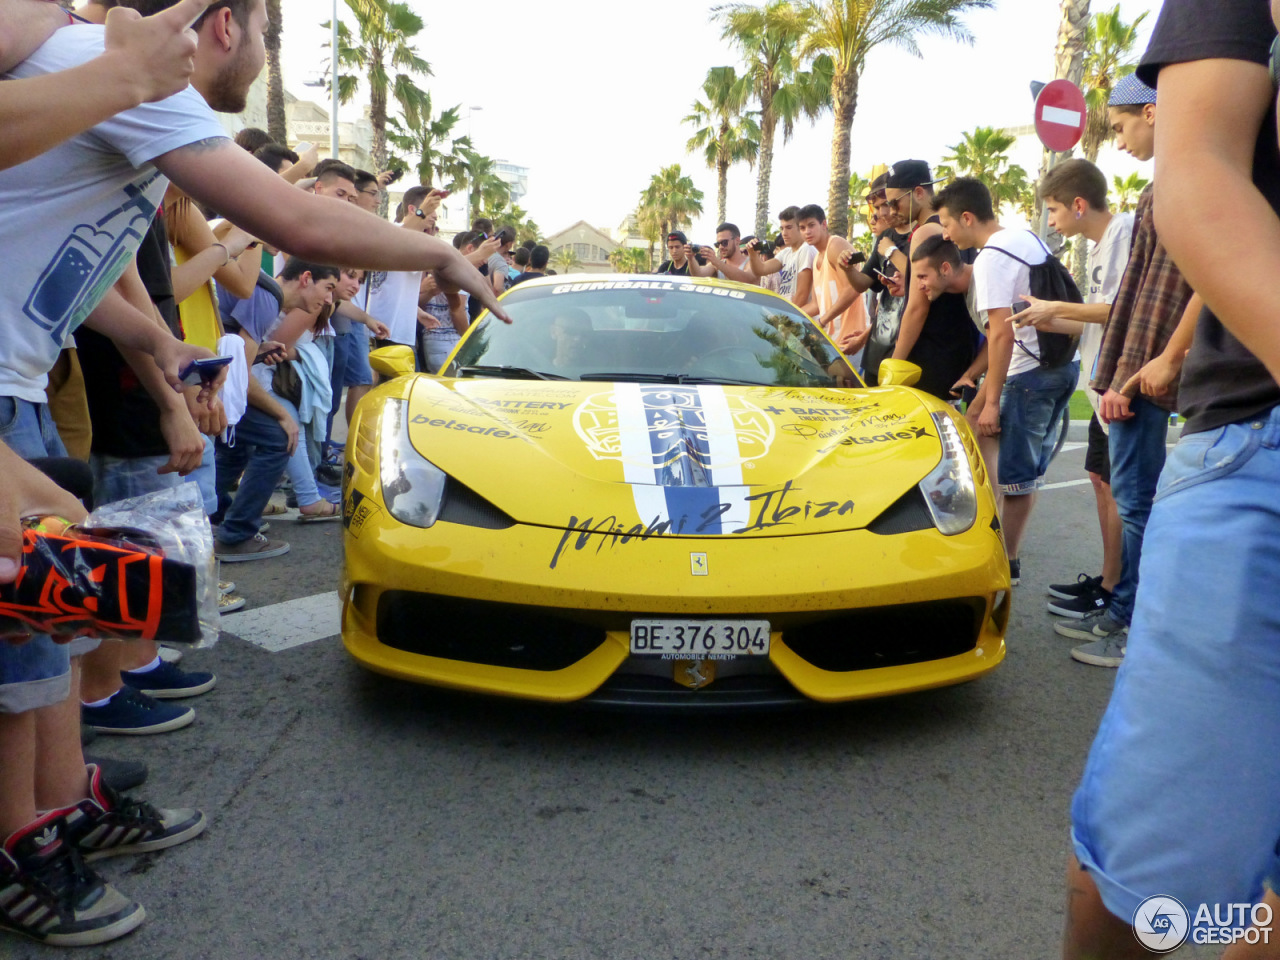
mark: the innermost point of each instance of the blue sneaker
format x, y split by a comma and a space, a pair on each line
132, 713
169, 681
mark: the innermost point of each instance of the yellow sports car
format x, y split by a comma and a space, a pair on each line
661, 492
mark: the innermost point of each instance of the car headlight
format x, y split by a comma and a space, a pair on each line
412, 487
950, 490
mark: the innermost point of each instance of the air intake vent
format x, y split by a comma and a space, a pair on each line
907, 514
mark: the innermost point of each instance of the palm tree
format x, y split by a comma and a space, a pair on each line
629, 260
1109, 43
565, 260
723, 134
858, 188
672, 199
848, 30
277, 124
440, 159
386, 30
1127, 190
767, 38
982, 153
649, 223
476, 174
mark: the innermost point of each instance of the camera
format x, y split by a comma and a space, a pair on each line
697, 254
858, 257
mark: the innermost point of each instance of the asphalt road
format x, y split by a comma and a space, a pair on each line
354, 816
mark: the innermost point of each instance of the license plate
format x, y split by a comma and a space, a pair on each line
700, 639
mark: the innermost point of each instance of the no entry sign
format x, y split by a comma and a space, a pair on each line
1060, 115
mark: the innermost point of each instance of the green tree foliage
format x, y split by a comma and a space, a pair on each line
983, 153
383, 56
722, 132
1109, 57
1126, 190
671, 199
847, 31
440, 157
767, 37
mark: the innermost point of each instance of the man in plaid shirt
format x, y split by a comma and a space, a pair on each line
1148, 308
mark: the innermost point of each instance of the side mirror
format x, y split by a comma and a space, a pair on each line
397, 361
894, 373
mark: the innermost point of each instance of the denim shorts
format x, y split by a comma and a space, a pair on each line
120, 478
1181, 792
358, 372
1031, 410
36, 673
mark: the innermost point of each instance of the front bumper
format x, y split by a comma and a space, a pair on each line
854, 614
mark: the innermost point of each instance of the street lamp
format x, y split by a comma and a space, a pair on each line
333, 112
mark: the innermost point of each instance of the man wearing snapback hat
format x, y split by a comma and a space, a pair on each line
936, 335
678, 250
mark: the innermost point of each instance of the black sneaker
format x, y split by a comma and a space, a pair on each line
1083, 586
49, 895
1015, 572
120, 775
1086, 605
110, 825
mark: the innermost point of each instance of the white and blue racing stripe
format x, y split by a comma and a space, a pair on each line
681, 457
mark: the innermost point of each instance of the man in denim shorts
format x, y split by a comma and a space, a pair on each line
1025, 401
1180, 797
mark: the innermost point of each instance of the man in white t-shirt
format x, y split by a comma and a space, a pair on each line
792, 262
394, 295
725, 260
1024, 402
66, 248
1075, 196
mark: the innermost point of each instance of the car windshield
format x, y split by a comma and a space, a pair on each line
652, 330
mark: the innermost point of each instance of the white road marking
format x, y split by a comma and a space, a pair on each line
282, 626
1068, 447
1066, 483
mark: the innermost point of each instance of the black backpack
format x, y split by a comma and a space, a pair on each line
1050, 281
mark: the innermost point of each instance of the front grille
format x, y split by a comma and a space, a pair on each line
478, 631
905, 515
463, 505
889, 636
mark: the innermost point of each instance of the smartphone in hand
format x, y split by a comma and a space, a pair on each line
203, 371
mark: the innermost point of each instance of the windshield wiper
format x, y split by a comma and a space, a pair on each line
518, 373
671, 378
637, 377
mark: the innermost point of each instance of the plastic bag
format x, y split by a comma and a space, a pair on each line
141, 568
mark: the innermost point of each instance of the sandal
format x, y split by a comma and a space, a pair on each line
332, 512
274, 510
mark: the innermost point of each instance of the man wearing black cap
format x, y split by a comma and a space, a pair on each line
937, 335
677, 248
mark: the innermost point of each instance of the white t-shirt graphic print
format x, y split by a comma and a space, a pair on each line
794, 262
72, 218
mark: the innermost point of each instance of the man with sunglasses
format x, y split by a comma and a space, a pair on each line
936, 335
726, 260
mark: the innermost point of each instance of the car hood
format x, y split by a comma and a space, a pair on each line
678, 460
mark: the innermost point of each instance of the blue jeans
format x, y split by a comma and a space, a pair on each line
1031, 409
299, 470
29, 430
120, 478
258, 458
337, 376
1178, 796
37, 673
359, 373
1137, 457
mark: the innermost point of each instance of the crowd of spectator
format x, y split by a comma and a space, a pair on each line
166, 242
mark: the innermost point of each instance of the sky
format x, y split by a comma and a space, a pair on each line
590, 96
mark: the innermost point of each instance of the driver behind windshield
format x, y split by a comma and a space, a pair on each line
571, 333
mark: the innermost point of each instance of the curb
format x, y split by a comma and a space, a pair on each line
1078, 432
